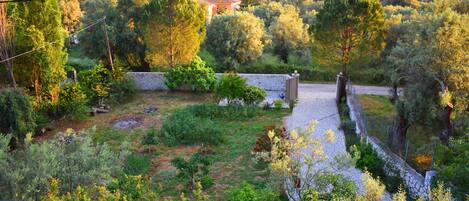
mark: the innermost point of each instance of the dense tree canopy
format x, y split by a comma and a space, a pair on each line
174, 30
235, 38
289, 35
71, 13
39, 25
347, 28
431, 58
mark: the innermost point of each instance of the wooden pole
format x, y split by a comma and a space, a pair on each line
108, 46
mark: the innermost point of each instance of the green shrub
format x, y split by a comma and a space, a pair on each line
81, 63
183, 127
100, 83
278, 104
331, 186
247, 192
234, 89
206, 181
137, 164
230, 112
230, 87
150, 137
70, 157
196, 75
369, 160
17, 115
194, 169
72, 101
348, 126
121, 89
253, 95
451, 164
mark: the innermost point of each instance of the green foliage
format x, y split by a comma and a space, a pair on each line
17, 114
234, 89
194, 169
72, 101
100, 83
150, 137
348, 127
39, 26
369, 160
331, 186
231, 87
253, 95
137, 164
247, 192
289, 35
173, 31
126, 188
346, 30
183, 127
450, 164
278, 104
229, 112
196, 75
235, 38
71, 157
81, 63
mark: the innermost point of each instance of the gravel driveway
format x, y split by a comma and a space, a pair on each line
317, 101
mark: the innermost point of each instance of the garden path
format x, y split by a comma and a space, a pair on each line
317, 102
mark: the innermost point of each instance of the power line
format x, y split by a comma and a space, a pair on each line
13, 1
38, 48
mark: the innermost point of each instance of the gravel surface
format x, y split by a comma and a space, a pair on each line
317, 101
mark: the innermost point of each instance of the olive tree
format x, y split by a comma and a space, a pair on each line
235, 38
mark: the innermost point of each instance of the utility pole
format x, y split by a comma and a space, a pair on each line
108, 46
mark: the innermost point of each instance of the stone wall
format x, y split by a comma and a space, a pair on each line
155, 80
416, 184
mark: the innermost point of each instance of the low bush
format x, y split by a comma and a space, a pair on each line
230, 87
247, 192
183, 127
451, 164
230, 112
264, 143
370, 161
331, 186
72, 101
194, 169
253, 95
348, 126
278, 104
196, 75
137, 164
71, 157
234, 89
100, 83
17, 115
81, 63
151, 137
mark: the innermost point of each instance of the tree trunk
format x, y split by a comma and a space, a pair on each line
11, 74
401, 125
447, 124
284, 56
395, 95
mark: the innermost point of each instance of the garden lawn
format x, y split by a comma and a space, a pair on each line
232, 160
380, 113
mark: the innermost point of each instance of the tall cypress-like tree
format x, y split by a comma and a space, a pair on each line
174, 30
39, 28
347, 28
